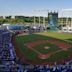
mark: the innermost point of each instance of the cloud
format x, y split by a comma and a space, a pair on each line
69, 9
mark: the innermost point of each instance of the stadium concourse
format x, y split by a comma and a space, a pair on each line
10, 63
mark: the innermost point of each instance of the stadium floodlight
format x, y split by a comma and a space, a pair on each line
40, 11
71, 22
37, 11
34, 21
39, 21
44, 21
67, 13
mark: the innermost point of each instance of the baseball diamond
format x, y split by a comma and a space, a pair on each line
43, 48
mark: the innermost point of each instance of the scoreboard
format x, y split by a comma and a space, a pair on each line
52, 20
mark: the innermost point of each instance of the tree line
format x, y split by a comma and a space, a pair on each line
30, 20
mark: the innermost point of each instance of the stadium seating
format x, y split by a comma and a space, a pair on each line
7, 55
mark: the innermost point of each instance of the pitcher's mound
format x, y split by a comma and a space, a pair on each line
46, 47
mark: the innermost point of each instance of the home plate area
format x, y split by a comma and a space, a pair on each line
60, 44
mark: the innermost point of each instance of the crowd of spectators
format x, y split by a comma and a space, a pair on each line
9, 64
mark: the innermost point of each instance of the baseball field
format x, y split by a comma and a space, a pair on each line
43, 48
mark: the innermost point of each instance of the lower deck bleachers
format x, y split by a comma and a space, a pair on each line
7, 55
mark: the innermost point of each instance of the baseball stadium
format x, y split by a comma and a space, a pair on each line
38, 47
43, 48
50, 47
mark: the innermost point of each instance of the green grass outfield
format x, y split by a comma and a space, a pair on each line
51, 48
21, 40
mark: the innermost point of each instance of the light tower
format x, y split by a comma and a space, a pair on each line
40, 12
34, 21
67, 12
44, 21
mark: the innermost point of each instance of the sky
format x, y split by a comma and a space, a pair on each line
35, 7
